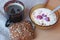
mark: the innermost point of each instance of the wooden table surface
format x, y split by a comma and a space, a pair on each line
51, 34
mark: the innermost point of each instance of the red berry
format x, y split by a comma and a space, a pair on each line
39, 17
47, 19
44, 15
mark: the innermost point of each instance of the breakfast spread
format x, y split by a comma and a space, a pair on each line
40, 16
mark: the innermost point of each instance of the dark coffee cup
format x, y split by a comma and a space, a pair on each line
15, 12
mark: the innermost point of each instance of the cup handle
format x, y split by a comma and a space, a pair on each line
7, 23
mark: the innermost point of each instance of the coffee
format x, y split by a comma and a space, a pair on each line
15, 11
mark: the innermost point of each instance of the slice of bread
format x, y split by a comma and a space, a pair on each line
21, 31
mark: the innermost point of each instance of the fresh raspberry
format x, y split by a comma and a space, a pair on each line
39, 17
44, 15
47, 19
